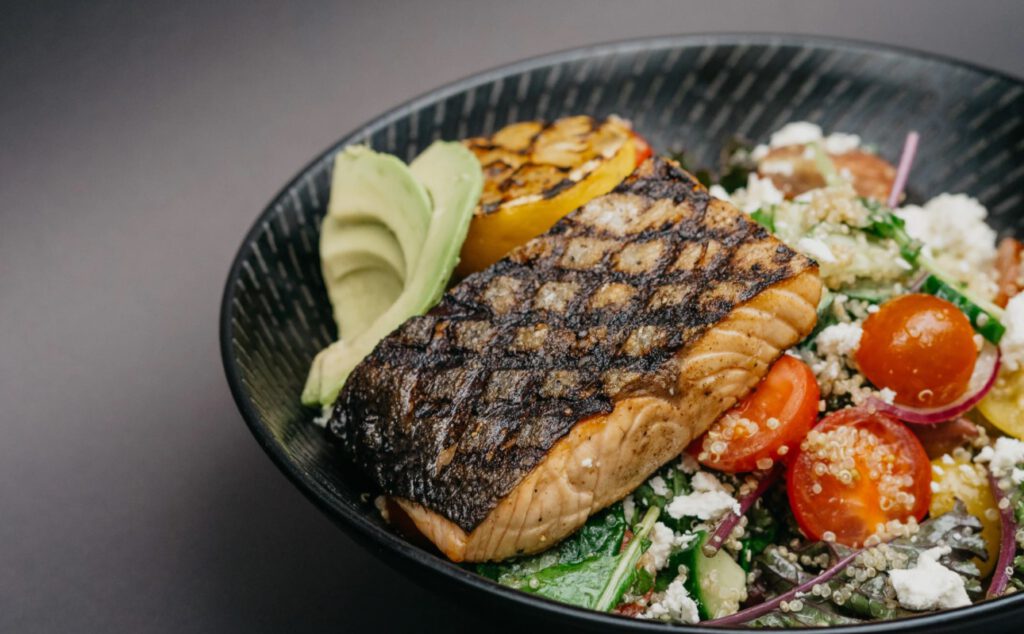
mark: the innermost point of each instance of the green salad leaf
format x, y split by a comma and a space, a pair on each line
765, 217
602, 535
591, 569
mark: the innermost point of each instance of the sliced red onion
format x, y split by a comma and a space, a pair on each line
903, 170
728, 523
751, 613
1007, 540
986, 368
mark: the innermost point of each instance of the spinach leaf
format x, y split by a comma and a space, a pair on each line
601, 535
580, 583
590, 569
643, 582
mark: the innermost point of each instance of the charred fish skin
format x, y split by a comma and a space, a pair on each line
455, 408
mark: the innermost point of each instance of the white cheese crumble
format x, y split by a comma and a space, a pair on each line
929, 585
717, 191
795, 133
662, 540
816, 249
676, 605
709, 500
658, 485
802, 133
759, 193
954, 229
688, 464
629, 507
704, 481
841, 143
1012, 343
1003, 458
587, 463
839, 339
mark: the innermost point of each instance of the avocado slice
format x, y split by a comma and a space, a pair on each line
364, 271
376, 219
452, 176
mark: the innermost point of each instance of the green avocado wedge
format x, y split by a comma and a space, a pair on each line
451, 179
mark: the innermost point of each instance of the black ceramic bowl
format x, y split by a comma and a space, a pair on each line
680, 92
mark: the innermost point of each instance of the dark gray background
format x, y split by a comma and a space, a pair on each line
137, 143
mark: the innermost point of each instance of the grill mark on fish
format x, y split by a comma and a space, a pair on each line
455, 423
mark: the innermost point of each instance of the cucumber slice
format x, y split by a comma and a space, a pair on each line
869, 294
982, 314
717, 584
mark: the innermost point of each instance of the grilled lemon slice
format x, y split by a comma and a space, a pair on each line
537, 172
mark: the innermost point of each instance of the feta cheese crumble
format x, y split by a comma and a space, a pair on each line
709, 500
795, 133
804, 132
688, 464
759, 193
658, 485
1012, 343
629, 507
954, 229
816, 249
839, 339
1004, 459
929, 585
676, 605
841, 143
717, 191
663, 541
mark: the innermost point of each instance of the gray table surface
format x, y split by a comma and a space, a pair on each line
138, 140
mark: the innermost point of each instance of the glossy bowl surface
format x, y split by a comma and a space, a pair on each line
692, 92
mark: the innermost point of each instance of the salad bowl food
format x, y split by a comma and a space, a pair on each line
703, 330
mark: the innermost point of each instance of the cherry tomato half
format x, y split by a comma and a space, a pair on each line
855, 472
765, 426
642, 149
921, 347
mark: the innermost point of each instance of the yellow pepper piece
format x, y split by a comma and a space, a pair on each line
1004, 405
955, 476
535, 174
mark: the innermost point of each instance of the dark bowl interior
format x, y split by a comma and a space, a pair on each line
682, 92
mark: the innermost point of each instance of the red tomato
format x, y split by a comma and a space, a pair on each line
855, 472
767, 424
642, 148
921, 347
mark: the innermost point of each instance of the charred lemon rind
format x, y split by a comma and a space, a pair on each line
535, 173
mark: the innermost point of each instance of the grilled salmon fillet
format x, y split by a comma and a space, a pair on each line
553, 383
